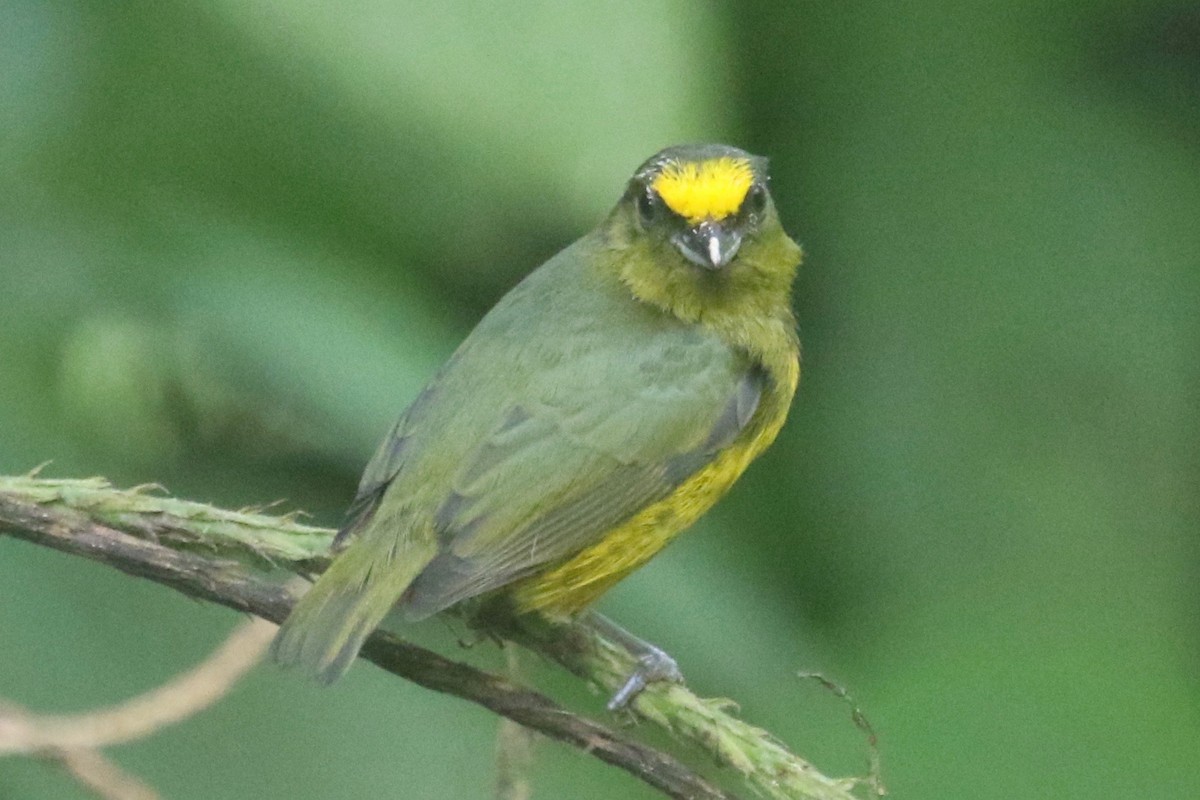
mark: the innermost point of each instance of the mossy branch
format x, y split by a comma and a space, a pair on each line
213, 554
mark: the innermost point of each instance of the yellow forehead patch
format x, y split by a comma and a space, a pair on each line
711, 189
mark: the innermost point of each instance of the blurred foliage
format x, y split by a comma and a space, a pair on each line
235, 237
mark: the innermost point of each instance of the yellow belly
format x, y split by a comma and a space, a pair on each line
570, 587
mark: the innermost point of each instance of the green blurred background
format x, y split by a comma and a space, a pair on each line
236, 236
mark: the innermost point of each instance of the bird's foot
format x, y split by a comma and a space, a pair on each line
654, 666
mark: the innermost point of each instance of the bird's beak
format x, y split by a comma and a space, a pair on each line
709, 244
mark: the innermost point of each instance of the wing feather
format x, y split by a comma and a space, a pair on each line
595, 492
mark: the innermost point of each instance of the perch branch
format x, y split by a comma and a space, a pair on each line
209, 553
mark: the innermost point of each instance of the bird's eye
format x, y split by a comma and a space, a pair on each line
647, 206
756, 200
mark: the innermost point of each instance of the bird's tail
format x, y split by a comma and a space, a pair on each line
329, 624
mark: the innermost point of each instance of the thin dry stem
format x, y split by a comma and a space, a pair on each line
514, 747
173, 702
102, 777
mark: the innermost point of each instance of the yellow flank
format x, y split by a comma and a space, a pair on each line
572, 586
712, 189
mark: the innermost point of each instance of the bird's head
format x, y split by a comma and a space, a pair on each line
697, 226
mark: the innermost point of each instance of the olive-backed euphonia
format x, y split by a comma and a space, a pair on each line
602, 406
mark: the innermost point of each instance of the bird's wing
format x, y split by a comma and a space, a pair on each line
564, 467
383, 467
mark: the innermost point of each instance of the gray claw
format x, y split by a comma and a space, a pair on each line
653, 667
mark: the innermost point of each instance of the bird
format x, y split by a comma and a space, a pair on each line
601, 407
